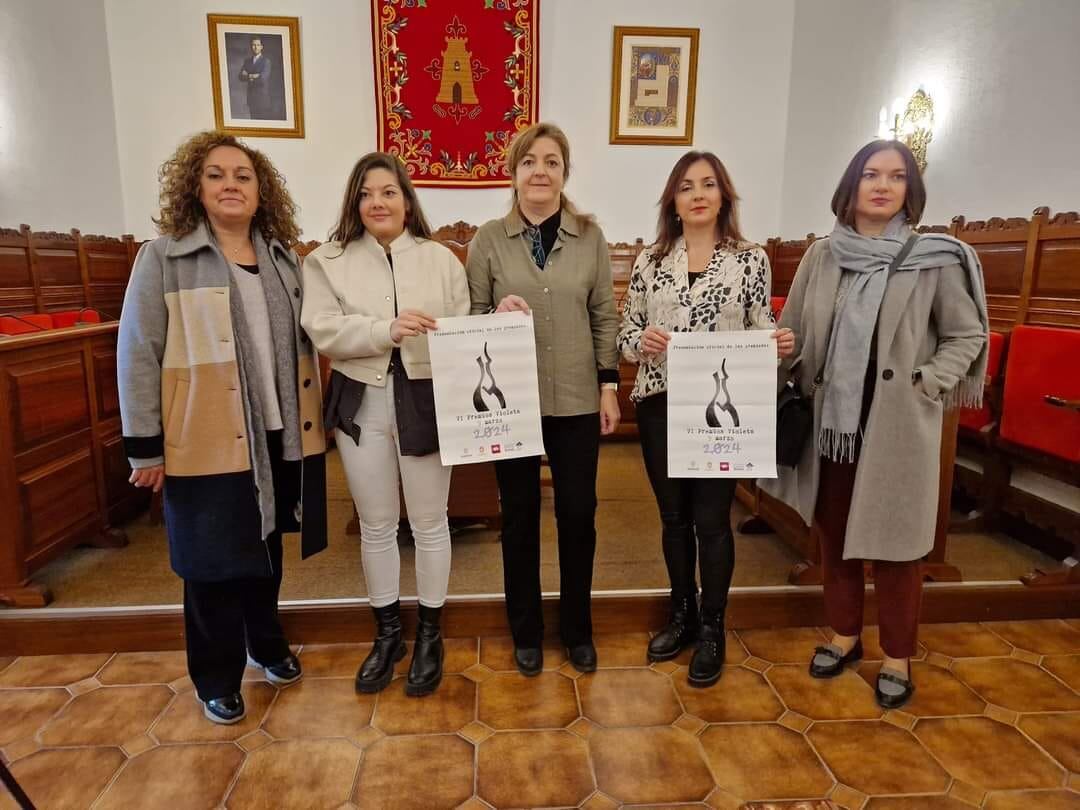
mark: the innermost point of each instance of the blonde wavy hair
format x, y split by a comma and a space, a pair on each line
179, 176
519, 148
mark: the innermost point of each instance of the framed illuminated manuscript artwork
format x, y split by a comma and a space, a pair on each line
653, 82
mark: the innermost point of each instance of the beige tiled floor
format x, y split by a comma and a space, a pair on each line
995, 723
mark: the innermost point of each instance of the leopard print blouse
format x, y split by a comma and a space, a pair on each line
731, 293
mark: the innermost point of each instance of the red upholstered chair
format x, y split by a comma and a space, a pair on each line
1041, 406
1040, 429
776, 304
63, 320
975, 420
24, 324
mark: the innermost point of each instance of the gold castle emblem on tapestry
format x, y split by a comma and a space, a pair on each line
457, 74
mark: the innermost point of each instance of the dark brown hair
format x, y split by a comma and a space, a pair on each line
349, 225
669, 227
180, 175
847, 190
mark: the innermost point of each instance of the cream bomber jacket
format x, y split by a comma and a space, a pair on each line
349, 299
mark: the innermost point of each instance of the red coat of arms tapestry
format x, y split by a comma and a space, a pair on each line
454, 82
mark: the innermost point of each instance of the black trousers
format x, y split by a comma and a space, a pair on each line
573, 451
695, 513
227, 619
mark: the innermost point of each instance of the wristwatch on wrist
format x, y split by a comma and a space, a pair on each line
609, 386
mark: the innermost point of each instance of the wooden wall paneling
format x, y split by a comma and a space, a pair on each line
60, 501
123, 502
102, 392
53, 415
785, 261
58, 271
934, 566
17, 292
15, 587
53, 439
84, 265
48, 396
769, 246
34, 273
108, 267
1053, 295
1002, 247
623, 256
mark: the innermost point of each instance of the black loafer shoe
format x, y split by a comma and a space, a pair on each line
529, 660
893, 691
283, 672
828, 662
583, 657
225, 710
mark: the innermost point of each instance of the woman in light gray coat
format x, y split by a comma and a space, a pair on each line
891, 329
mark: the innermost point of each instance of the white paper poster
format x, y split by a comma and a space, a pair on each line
487, 398
721, 411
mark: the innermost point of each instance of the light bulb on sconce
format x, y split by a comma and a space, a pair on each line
912, 124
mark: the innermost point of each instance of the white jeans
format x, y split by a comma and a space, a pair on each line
372, 470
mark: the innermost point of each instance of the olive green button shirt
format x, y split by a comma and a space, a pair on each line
572, 303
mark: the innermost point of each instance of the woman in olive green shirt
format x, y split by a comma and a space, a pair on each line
546, 258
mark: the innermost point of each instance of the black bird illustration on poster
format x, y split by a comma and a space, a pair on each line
712, 418
491, 389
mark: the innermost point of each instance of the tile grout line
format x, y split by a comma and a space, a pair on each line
588, 746
476, 717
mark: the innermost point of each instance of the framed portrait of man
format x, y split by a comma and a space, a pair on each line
255, 74
653, 85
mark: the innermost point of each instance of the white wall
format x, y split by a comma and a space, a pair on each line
1003, 76
786, 94
58, 159
162, 88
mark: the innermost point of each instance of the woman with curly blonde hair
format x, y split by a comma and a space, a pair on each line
220, 404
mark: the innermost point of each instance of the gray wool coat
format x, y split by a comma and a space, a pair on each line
928, 322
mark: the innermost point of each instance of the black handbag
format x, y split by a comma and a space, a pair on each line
794, 423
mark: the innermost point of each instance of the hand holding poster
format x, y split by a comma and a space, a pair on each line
487, 399
721, 412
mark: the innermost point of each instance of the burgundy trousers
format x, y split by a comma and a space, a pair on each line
898, 584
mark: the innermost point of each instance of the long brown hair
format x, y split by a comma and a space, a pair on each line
349, 225
519, 148
180, 175
669, 227
847, 190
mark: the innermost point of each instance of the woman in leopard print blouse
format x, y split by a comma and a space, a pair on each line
700, 275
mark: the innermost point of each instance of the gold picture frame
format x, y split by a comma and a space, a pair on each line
653, 85
255, 75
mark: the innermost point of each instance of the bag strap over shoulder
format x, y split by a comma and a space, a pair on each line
903, 254
893, 266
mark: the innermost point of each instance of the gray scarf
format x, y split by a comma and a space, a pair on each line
283, 323
865, 260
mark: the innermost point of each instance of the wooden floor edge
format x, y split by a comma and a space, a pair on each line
159, 629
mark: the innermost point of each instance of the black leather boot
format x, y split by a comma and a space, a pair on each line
377, 670
708, 658
425, 669
681, 630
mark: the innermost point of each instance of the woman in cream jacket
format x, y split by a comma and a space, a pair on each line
372, 294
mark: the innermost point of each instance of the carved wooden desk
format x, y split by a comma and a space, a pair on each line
63, 472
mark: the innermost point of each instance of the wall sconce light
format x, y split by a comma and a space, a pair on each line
912, 124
